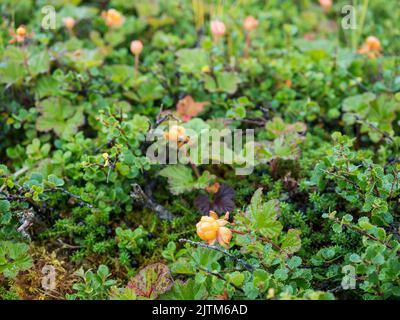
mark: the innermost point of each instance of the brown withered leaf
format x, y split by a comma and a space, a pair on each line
151, 281
187, 108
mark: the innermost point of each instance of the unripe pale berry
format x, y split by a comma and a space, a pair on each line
326, 4
217, 28
250, 23
175, 134
69, 22
136, 47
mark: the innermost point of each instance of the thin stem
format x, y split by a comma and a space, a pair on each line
195, 169
248, 44
215, 248
259, 238
219, 276
136, 65
362, 19
72, 195
354, 32
364, 233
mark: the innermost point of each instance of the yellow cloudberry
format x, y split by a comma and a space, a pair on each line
373, 43
175, 134
371, 47
113, 18
21, 31
211, 229
19, 35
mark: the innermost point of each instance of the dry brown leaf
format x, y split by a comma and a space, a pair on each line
187, 108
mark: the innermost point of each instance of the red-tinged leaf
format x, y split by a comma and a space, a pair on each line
187, 108
151, 281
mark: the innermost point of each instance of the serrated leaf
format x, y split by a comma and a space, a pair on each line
4, 206
151, 281
192, 60
281, 274
294, 262
182, 267
291, 242
187, 108
39, 62
355, 258
237, 278
11, 61
223, 201
337, 227
180, 178
55, 181
59, 115
264, 215
206, 258
224, 82
189, 290
14, 258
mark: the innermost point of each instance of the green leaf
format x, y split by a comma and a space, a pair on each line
180, 178
355, 258
59, 115
224, 82
207, 258
11, 70
55, 181
260, 277
192, 60
39, 62
364, 224
150, 89
264, 215
281, 274
237, 112
291, 242
47, 86
358, 103
237, 278
337, 227
381, 234
379, 259
181, 266
14, 258
189, 290
169, 252
120, 73
294, 262
84, 59
348, 218
4, 206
